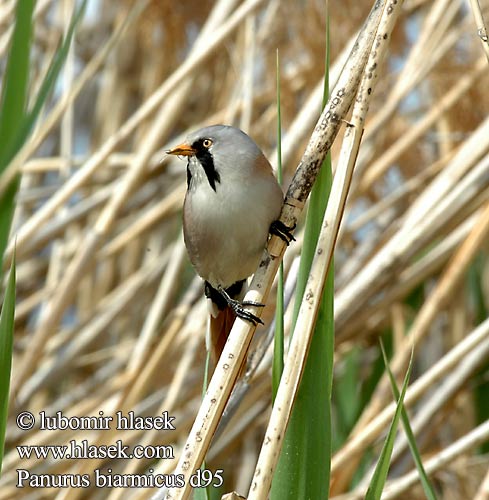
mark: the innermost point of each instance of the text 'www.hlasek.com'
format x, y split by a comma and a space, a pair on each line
94, 447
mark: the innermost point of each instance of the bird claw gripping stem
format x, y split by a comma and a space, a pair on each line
239, 307
278, 228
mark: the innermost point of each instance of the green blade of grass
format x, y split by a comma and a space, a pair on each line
15, 80
346, 398
475, 289
13, 104
7, 207
278, 346
425, 482
379, 477
6, 341
303, 468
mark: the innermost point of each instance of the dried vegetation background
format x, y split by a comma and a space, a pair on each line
109, 313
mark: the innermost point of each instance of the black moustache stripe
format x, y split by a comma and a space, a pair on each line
207, 162
189, 175
205, 158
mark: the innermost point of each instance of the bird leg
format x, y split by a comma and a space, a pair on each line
239, 307
278, 228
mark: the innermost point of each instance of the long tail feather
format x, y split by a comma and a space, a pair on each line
220, 327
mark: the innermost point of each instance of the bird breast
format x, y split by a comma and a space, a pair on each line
226, 230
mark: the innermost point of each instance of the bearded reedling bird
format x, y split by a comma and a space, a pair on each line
232, 203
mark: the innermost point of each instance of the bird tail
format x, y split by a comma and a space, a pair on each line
219, 329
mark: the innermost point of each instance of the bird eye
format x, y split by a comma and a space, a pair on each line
207, 143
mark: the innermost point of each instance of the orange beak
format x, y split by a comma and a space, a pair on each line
182, 150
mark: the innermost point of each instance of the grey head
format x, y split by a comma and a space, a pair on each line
221, 152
